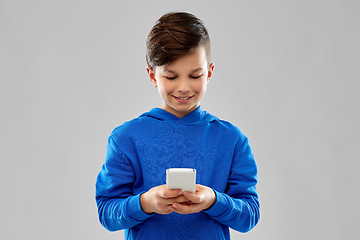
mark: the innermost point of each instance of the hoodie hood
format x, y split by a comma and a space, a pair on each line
195, 117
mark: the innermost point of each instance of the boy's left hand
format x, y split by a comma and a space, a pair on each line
202, 199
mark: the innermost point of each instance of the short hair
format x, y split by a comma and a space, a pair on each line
174, 35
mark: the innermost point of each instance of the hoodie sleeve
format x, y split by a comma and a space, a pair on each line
238, 207
117, 207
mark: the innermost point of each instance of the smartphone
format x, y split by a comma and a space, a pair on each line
181, 178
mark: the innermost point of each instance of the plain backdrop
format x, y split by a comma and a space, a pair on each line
286, 72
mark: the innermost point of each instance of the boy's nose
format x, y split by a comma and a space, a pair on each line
184, 85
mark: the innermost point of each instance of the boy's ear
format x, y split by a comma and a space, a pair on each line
210, 71
151, 76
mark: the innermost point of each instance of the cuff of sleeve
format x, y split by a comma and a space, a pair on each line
219, 207
134, 209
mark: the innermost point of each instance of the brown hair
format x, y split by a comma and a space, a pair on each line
174, 35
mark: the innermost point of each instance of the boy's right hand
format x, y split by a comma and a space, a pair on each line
159, 199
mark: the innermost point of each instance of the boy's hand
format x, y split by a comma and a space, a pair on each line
159, 199
202, 199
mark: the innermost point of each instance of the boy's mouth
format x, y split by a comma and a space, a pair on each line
183, 99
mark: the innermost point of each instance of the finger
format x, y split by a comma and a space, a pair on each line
180, 199
169, 201
192, 197
166, 210
185, 209
171, 193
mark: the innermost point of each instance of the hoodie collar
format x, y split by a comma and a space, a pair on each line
195, 117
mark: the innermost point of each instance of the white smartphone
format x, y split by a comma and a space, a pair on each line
181, 178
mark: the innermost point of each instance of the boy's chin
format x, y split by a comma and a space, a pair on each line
185, 110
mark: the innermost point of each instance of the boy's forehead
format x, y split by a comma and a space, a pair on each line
192, 62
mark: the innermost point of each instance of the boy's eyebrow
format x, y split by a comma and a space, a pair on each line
195, 70
171, 71
168, 70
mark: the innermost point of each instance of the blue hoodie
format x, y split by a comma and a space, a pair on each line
138, 154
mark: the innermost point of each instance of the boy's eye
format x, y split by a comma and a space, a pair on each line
173, 78
195, 77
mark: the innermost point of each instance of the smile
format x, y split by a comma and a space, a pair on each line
182, 99
185, 98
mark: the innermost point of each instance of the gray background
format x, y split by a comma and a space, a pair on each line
286, 72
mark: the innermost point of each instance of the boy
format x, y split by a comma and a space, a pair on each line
130, 190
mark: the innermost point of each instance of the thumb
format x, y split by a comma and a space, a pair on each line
192, 197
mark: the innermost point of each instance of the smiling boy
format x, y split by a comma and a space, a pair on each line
130, 190
182, 84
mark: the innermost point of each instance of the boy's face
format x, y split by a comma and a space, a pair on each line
182, 84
